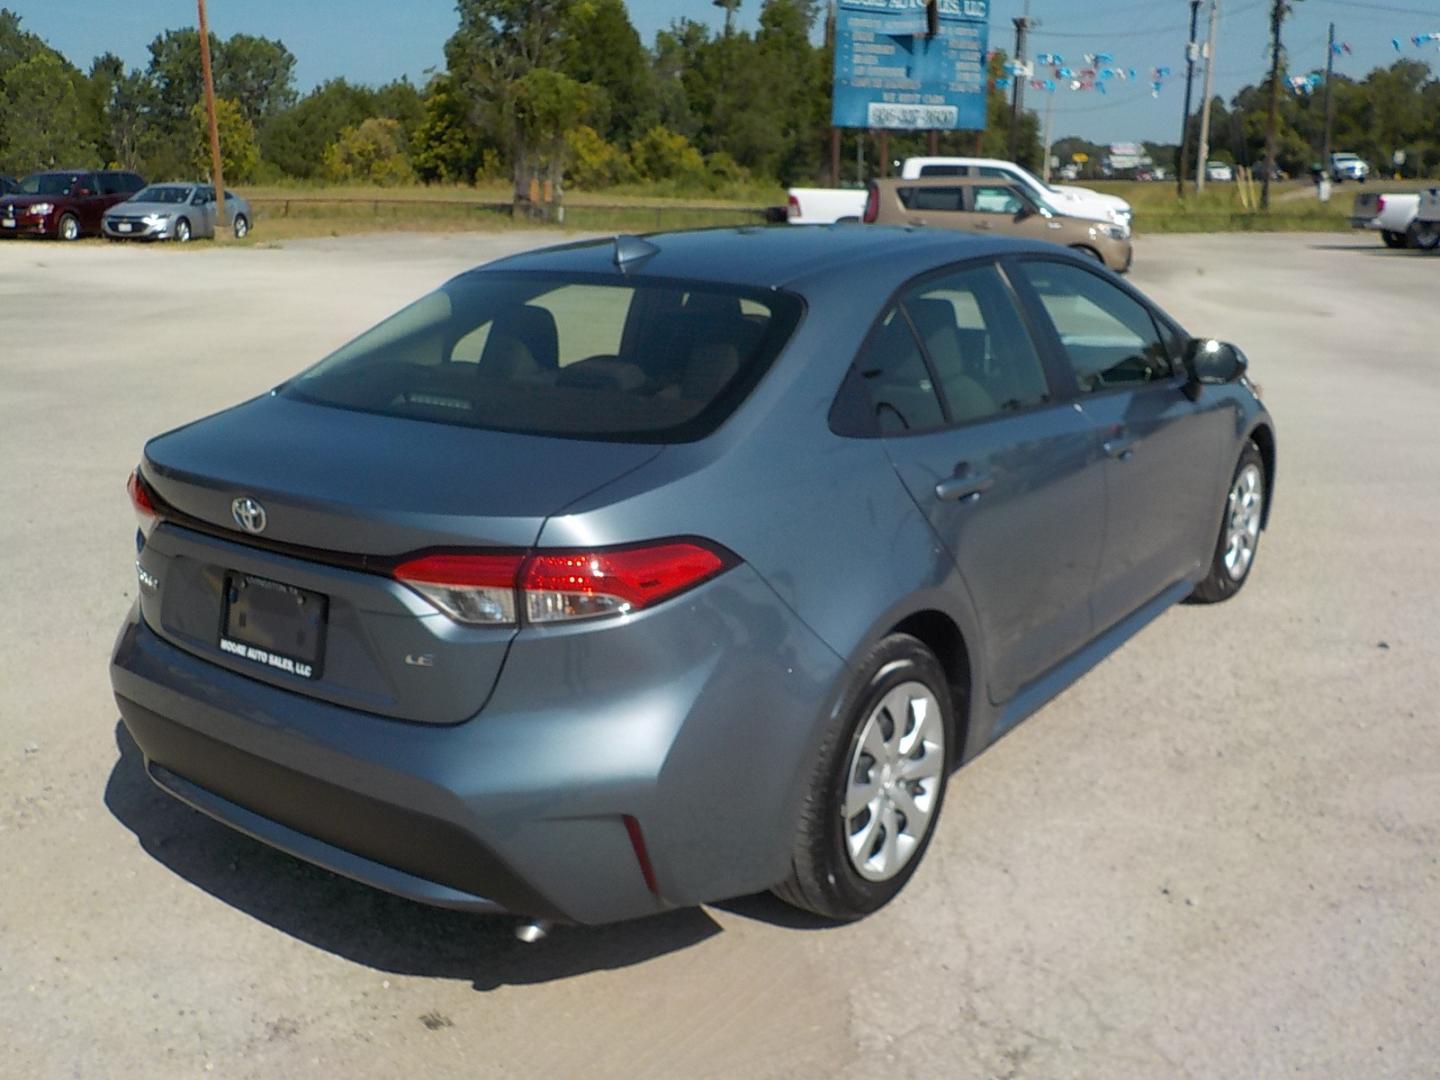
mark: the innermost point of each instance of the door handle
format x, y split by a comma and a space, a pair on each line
967, 488
985, 225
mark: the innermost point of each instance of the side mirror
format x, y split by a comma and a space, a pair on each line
1214, 363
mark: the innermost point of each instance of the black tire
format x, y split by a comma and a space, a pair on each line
1424, 237
67, 228
183, 233
1221, 584
822, 879
242, 227
1394, 239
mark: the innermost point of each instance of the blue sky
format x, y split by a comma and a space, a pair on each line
376, 40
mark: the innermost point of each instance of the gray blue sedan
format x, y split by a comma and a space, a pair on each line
631, 575
181, 212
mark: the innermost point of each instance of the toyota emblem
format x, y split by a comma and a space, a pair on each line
248, 514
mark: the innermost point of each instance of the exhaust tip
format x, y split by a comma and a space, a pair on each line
533, 931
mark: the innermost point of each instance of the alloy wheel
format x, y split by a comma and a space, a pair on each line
892, 781
1244, 510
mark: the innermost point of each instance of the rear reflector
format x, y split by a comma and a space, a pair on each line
553, 587
144, 506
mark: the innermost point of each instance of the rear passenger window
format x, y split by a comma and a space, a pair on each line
978, 345
1109, 337
944, 199
893, 372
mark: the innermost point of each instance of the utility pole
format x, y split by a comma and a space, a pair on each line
830, 39
1278, 10
1049, 113
1204, 158
217, 174
1017, 97
1329, 103
1190, 51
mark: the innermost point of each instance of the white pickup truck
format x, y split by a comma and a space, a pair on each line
1396, 217
826, 206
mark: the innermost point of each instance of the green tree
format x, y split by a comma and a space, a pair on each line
239, 149
372, 153
548, 106
445, 147
602, 49
499, 44
45, 115
595, 163
256, 73
295, 140
661, 154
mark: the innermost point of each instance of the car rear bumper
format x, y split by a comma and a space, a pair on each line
691, 727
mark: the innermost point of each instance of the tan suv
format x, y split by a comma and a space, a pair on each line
994, 208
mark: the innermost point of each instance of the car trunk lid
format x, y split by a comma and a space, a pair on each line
344, 497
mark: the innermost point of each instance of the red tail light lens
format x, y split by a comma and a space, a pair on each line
475, 589
552, 587
143, 504
792, 208
563, 587
1380, 205
872, 205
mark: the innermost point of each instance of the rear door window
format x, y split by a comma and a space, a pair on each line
978, 346
900, 392
1109, 337
568, 356
943, 199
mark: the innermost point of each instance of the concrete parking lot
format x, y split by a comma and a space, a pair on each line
1217, 856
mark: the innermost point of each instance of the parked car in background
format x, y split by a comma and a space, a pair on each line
181, 212
824, 206
996, 208
7, 185
1219, 172
1392, 215
1347, 166
776, 529
1074, 201
65, 203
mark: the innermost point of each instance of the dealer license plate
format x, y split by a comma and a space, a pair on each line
277, 626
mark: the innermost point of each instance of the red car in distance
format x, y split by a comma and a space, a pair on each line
66, 203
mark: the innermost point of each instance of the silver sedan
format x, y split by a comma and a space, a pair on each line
181, 212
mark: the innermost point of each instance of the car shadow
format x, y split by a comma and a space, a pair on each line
1376, 250
374, 928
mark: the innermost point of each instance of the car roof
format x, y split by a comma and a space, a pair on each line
943, 181
775, 257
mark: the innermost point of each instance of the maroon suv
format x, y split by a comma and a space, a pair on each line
66, 204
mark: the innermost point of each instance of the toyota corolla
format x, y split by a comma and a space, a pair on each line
630, 575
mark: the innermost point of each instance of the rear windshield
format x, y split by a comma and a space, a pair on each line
569, 356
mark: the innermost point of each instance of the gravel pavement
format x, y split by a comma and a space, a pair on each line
1217, 856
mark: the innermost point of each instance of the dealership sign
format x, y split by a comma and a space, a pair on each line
901, 65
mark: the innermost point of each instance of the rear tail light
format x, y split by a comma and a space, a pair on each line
556, 587
792, 208
143, 503
476, 589
872, 205
1380, 205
